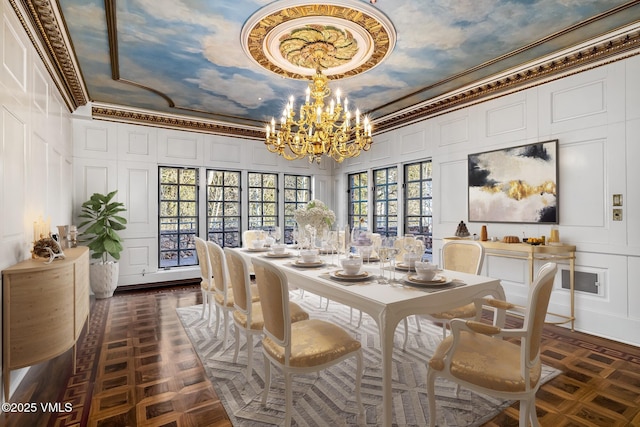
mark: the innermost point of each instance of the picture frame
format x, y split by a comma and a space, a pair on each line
514, 185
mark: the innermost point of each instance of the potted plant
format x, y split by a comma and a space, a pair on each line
102, 224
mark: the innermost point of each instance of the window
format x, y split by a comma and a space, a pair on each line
297, 192
178, 219
223, 207
418, 209
385, 199
358, 199
263, 200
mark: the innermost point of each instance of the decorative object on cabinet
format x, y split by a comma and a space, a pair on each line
517, 184
101, 233
47, 247
462, 230
44, 309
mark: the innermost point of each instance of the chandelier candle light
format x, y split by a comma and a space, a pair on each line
320, 130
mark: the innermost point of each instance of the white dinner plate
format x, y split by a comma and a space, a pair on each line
265, 249
402, 266
300, 263
340, 275
412, 279
275, 255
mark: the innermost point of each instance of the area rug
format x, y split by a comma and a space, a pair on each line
328, 398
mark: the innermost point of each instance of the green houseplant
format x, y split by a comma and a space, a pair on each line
101, 225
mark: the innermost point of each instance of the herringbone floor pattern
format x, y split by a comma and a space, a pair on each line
136, 366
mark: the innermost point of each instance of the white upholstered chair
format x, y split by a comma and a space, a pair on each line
247, 315
466, 256
223, 297
207, 287
306, 346
478, 356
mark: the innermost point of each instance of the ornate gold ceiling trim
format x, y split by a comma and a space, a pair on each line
57, 58
377, 31
603, 53
120, 115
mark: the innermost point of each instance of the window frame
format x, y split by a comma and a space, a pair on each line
423, 230
289, 221
377, 202
231, 242
360, 203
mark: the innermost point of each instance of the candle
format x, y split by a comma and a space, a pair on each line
308, 92
338, 96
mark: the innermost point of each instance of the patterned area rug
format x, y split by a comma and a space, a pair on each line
328, 399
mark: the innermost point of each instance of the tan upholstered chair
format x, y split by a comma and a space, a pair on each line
207, 286
466, 256
250, 235
477, 356
306, 346
247, 315
223, 297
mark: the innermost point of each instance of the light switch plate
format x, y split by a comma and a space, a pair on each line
617, 200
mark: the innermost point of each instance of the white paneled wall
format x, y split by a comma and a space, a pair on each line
35, 149
595, 116
110, 156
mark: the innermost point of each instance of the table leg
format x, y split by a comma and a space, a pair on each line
387, 327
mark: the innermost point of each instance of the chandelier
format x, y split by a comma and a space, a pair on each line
321, 129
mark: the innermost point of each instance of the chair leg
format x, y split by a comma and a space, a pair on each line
204, 303
226, 329
431, 394
406, 334
418, 322
236, 345
249, 354
288, 398
216, 328
211, 308
444, 330
360, 319
267, 380
359, 364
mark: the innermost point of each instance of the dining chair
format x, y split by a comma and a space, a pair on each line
307, 346
494, 360
249, 236
207, 287
465, 256
223, 296
399, 244
247, 315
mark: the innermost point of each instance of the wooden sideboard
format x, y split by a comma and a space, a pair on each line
531, 253
45, 307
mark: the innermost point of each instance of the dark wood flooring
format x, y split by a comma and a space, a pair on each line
136, 367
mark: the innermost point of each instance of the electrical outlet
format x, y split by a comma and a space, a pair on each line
617, 214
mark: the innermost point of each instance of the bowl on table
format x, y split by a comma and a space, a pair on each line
278, 248
351, 266
257, 244
309, 255
425, 270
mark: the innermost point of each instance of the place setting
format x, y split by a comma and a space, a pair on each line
309, 258
428, 276
351, 271
278, 250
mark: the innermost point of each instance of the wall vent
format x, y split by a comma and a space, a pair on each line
584, 282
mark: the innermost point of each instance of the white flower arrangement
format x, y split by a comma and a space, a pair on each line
315, 214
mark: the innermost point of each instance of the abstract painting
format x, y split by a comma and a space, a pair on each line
517, 184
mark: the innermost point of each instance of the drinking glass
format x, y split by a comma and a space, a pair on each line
333, 242
276, 233
383, 254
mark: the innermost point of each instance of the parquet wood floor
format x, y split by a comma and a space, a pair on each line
136, 367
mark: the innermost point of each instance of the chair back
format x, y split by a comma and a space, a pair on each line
250, 235
464, 256
218, 267
274, 299
400, 243
240, 281
538, 303
205, 264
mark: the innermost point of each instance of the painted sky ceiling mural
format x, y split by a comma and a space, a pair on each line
189, 57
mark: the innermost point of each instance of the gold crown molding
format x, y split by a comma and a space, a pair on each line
254, 35
172, 122
57, 59
591, 57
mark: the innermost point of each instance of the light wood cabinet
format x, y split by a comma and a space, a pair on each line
45, 308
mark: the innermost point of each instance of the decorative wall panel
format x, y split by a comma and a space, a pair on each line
509, 118
13, 169
452, 193
454, 131
592, 101
14, 60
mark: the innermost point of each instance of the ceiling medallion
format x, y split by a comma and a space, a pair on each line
353, 38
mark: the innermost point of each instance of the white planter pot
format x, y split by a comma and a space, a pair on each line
104, 278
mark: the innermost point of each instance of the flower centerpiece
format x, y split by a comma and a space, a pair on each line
314, 218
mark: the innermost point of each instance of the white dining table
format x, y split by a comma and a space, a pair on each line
386, 304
